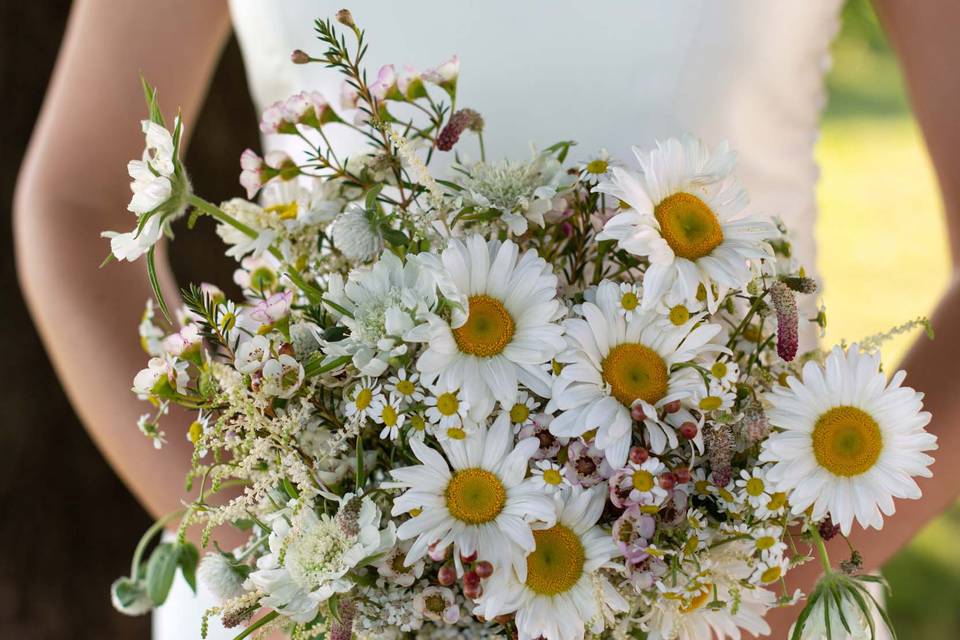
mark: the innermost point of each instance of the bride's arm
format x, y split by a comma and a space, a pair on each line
73, 185
924, 35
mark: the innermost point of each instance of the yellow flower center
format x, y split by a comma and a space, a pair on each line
765, 542
456, 433
597, 166
418, 423
771, 574
488, 328
475, 496
196, 430
697, 601
286, 211
364, 396
688, 225
692, 544
519, 413
847, 441
719, 370
557, 561
778, 500
635, 372
405, 387
629, 301
447, 403
711, 403
755, 487
552, 476
389, 416
642, 480
679, 315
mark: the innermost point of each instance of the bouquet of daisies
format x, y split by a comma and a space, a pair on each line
535, 398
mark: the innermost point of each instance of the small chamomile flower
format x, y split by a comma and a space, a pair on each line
362, 399
773, 508
727, 495
768, 541
418, 426
446, 407
406, 385
522, 411
716, 397
753, 487
388, 412
548, 476
769, 570
678, 310
724, 373
628, 306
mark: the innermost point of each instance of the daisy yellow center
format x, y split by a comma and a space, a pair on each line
519, 413
635, 372
418, 423
847, 441
679, 315
755, 487
710, 403
196, 430
642, 480
778, 500
364, 396
765, 542
552, 476
475, 496
688, 225
629, 301
719, 370
488, 328
286, 211
597, 166
771, 574
447, 404
389, 416
456, 433
697, 601
557, 561
405, 387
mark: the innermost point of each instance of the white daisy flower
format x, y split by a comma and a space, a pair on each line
476, 498
508, 332
405, 385
686, 217
388, 411
311, 556
548, 477
385, 302
447, 408
712, 397
768, 541
628, 306
725, 373
611, 364
363, 397
522, 411
849, 441
678, 310
774, 508
770, 569
561, 592
691, 619
753, 487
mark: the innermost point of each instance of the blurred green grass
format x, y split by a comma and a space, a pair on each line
884, 259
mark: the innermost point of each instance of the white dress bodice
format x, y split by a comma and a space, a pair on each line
607, 74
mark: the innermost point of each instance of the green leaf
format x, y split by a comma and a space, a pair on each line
394, 237
155, 283
290, 489
802, 618
188, 559
370, 203
161, 569
153, 108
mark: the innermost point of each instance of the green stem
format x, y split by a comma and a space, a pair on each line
147, 536
217, 213
256, 625
821, 549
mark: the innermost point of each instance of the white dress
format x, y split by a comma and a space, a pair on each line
608, 74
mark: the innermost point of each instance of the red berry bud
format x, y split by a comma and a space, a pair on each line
668, 480
473, 592
636, 412
484, 569
672, 406
682, 474
447, 575
639, 455
471, 579
689, 430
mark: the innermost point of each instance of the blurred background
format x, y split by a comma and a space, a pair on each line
67, 525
